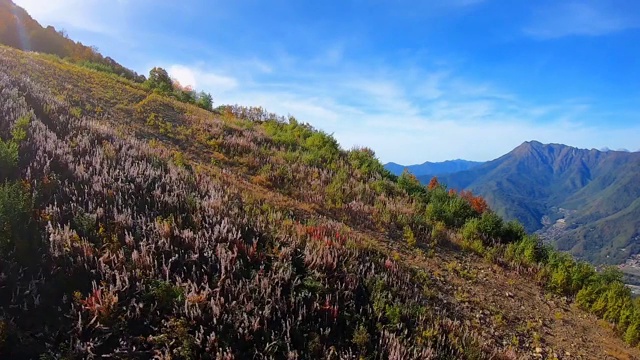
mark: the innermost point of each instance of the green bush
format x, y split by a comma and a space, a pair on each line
9, 149
447, 207
15, 219
527, 251
409, 236
410, 184
364, 159
8, 159
361, 338
458, 211
487, 228
321, 149
632, 335
336, 195
513, 231
98, 67
471, 230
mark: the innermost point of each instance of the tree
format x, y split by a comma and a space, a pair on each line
477, 202
409, 183
433, 183
160, 80
205, 101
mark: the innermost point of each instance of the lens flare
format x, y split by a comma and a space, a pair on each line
21, 30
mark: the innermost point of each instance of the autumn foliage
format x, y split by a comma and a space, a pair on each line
433, 183
478, 203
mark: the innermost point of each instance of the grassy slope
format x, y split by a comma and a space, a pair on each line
170, 230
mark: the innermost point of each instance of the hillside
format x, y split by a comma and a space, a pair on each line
584, 201
19, 30
433, 168
137, 226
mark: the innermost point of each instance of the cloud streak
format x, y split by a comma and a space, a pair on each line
580, 18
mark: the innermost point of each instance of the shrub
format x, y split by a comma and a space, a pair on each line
364, 159
164, 294
98, 67
527, 251
439, 232
487, 228
409, 237
471, 230
513, 231
321, 149
458, 211
336, 195
8, 159
15, 219
410, 184
361, 338
3, 334
9, 149
632, 335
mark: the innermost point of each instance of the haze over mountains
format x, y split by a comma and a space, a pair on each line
586, 202
433, 168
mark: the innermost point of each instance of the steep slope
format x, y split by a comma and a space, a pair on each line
136, 226
433, 168
593, 193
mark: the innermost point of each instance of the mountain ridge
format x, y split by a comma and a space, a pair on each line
433, 168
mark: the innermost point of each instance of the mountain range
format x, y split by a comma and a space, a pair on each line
433, 168
586, 202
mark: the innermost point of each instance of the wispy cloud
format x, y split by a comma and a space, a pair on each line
410, 115
581, 18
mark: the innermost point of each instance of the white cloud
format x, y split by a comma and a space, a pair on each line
199, 78
586, 18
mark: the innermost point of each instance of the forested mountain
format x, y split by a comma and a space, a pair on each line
136, 225
584, 201
433, 168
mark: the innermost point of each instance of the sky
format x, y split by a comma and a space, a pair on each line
413, 80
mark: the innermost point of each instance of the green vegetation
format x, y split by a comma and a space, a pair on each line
15, 219
602, 293
160, 82
9, 148
16, 233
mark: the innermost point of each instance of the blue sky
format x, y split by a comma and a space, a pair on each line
413, 80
